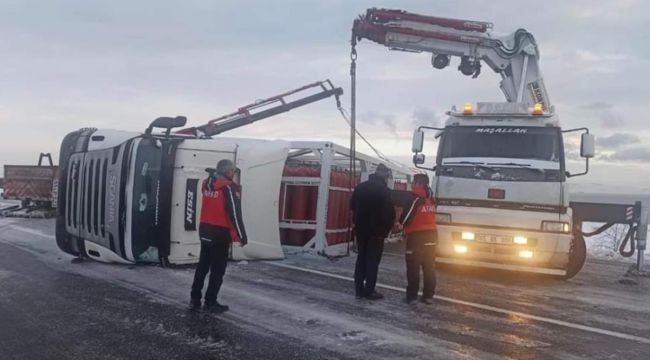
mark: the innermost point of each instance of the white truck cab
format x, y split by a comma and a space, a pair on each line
131, 197
500, 186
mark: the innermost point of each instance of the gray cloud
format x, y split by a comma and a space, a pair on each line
617, 140
610, 119
605, 112
387, 120
424, 116
635, 154
572, 152
597, 106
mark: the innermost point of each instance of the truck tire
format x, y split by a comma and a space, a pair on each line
577, 256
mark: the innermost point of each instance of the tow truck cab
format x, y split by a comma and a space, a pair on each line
130, 197
500, 185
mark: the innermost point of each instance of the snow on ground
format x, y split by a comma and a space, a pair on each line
260, 303
320, 311
606, 244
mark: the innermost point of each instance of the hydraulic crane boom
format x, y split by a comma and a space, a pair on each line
515, 57
262, 109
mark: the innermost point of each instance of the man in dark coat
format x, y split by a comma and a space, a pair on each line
221, 224
374, 216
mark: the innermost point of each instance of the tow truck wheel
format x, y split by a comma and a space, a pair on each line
577, 256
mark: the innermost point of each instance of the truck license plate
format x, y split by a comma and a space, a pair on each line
494, 239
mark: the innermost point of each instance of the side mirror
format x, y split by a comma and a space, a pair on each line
167, 123
419, 159
418, 142
587, 146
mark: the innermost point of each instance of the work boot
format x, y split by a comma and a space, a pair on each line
427, 300
358, 294
410, 301
194, 305
215, 308
374, 296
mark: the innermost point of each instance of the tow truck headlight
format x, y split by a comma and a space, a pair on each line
526, 254
443, 218
556, 226
467, 235
520, 240
460, 249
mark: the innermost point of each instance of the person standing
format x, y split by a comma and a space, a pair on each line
374, 216
419, 222
220, 223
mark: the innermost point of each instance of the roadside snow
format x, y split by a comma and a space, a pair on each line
606, 244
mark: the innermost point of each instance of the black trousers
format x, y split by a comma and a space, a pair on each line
213, 259
421, 255
369, 254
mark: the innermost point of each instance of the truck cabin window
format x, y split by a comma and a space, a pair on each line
146, 193
502, 153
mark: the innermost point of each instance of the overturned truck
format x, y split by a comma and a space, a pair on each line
131, 197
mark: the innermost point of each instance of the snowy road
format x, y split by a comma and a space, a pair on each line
303, 308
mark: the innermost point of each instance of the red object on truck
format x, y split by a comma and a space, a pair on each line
26, 182
300, 197
312, 171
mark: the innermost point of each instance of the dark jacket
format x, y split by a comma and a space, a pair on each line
373, 209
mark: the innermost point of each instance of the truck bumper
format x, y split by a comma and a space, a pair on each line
546, 253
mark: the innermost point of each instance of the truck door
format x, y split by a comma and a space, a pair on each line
260, 165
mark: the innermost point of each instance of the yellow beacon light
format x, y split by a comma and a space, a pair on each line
467, 109
538, 109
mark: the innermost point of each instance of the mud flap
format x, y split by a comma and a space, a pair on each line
577, 256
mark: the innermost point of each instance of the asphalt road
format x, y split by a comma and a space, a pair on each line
47, 313
304, 308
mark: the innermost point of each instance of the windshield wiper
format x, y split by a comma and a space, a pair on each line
475, 163
522, 166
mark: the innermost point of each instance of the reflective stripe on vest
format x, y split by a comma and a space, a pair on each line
424, 217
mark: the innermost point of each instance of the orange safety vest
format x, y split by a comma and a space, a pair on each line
213, 208
423, 216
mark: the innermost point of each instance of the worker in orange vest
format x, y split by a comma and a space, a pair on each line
419, 222
221, 224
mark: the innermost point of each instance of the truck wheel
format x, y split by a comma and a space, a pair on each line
577, 256
164, 262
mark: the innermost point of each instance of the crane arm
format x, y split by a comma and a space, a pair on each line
515, 57
264, 108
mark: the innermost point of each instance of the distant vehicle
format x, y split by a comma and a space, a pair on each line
33, 186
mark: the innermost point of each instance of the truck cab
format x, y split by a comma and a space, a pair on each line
500, 186
131, 197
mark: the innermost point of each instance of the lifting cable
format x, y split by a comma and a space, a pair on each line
350, 119
353, 128
629, 238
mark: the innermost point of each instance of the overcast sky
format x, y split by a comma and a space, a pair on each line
66, 64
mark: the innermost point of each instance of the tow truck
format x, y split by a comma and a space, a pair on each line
500, 168
130, 197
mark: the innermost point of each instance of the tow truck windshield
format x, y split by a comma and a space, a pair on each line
502, 153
